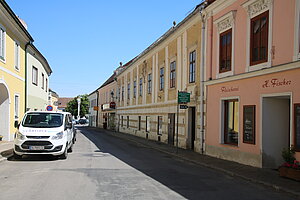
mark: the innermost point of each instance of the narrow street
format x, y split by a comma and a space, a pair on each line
102, 166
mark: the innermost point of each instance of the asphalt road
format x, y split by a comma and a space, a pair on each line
102, 166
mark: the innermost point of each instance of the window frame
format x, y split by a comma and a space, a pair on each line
192, 65
161, 79
122, 93
17, 56
2, 43
159, 125
43, 81
252, 20
149, 86
139, 122
128, 90
173, 74
134, 89
35, 73
141, 87
127, 125
225, 121
148, 128
16, 106
225, 33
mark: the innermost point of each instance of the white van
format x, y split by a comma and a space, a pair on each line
44, 132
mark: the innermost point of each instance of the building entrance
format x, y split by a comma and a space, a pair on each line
275, 129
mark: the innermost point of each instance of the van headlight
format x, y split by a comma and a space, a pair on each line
19, 136
58, 136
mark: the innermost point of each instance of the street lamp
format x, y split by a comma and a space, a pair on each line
78, 101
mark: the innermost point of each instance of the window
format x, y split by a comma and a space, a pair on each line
122, 93
231, 121
46, 84
172, 74
159, 125
17, 101
34, 75
259, 39
17, 56
43, 79
297, 127
225, 51
161, 79
119, 94
139, 123
128, 91
149, 83
2, 43
249, 124
147, 124
141, 87
192, 67
122, 121
127, 121
134, 89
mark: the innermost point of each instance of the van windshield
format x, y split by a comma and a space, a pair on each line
43, 120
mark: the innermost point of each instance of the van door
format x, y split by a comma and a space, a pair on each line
68, 130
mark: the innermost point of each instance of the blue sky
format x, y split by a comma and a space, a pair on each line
84, 41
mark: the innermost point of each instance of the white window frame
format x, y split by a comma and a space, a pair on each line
222, 125
148, 124
3, 35
16, 106
17, 55
297, 30
36, 75
255, 8
43, 81
223, 24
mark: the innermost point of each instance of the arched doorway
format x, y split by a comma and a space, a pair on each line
4, 111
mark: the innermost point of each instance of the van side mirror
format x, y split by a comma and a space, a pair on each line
68, 126
16, 124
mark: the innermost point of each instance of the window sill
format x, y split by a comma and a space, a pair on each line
224, 74
3, 60
230, 145
259, 66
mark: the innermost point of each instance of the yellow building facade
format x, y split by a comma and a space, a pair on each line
14, 39
147, 88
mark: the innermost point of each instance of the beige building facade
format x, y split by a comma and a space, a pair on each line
148, 86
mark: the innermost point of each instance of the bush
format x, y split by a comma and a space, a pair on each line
288, 154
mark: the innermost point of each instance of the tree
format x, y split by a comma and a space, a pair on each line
72, 106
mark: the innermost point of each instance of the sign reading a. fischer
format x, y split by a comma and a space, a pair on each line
183, 97
275, 82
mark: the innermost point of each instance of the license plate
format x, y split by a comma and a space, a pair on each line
36, 147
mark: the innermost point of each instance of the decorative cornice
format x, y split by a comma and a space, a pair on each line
257, 7
226, 21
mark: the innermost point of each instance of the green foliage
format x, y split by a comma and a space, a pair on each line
288, 154
72, 106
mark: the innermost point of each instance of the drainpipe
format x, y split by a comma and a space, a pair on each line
26, 46
202, 77
97, 108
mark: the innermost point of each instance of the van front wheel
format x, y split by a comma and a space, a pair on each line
65, 154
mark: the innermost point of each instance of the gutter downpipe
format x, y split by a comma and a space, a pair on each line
202, 78
26, 46
98, 108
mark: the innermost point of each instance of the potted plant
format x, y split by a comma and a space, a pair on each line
291, 167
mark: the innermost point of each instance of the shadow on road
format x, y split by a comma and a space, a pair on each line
188, 180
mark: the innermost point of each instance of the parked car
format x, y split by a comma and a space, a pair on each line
82, 121
44, 132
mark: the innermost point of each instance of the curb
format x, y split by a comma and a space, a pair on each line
273, 186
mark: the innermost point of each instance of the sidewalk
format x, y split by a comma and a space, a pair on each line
266, 177
6, 150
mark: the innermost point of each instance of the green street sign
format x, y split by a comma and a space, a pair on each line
183, 97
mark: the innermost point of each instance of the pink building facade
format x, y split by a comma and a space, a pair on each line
252, 80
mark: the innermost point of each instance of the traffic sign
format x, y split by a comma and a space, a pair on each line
49, 108
183, 97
